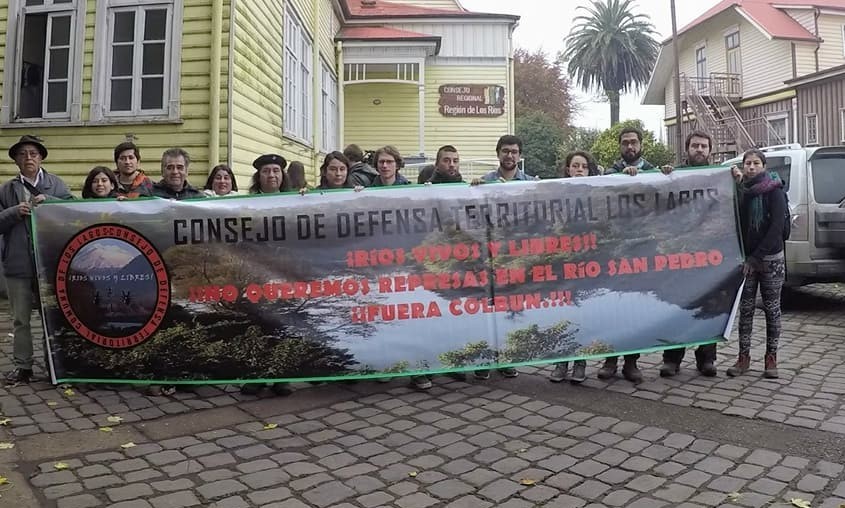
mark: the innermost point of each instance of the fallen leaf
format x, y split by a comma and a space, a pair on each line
106, 429
114, 419
412, 474
7, 446
527, 481
269, 426
130, 444
69, 392
60, 465
52, 403
523, 450
3, 480
800, 503
734, 496
5, 421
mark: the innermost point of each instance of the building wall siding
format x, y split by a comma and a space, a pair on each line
831, 51
465, 39
258, 123
328, 28
766, 64
393, 122
74, 150
804, 17
825, 99
475, 138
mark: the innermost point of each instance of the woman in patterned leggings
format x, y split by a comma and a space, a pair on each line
763, 211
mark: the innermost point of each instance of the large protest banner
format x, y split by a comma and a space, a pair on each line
391, 280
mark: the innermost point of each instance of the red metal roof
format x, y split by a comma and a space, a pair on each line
381, 33
384, 8
769, 15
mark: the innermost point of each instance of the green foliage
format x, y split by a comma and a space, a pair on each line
596, 347
611, 49
541, 137
540, 86
606, 147
210, 347
472, 353
534, 343
577, 138
398, 367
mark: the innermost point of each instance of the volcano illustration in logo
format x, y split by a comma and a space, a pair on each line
112, 287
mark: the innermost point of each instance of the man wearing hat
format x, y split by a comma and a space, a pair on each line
174, 176
32, 186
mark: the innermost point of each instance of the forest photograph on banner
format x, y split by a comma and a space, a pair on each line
386, 281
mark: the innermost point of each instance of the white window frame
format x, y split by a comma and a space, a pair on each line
703, 48
738, 49
297, 81
13, 62
329, 113
843, 40
775, 117
101, 87
815, 119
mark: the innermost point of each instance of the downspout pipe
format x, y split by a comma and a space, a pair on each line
214, 83
341, 94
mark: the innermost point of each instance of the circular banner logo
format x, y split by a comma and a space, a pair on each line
112, 286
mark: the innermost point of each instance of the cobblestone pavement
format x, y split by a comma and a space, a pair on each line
683, 442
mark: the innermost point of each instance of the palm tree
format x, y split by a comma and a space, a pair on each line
611, 49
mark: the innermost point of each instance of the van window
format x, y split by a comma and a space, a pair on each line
781, 166
829, 178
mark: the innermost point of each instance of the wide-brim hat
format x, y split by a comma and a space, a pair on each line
269, 158
28, 140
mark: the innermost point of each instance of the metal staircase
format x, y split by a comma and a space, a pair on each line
711, 100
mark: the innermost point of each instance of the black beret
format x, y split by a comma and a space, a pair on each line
269, 158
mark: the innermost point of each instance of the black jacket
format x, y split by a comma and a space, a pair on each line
768, 239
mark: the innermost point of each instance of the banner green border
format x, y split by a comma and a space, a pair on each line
384, 375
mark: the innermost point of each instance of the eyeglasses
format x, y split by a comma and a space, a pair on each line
28, 154
506, 151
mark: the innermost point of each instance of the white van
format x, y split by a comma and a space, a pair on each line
815, 183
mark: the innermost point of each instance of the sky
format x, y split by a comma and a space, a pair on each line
544, 24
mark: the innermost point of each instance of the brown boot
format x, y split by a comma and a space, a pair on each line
771, 369
742, 365
608, 370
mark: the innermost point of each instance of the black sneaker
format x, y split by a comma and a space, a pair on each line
19, 375
252, 388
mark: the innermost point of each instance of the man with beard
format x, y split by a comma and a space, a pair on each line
446, 166
698, 146
509, 153
631, 149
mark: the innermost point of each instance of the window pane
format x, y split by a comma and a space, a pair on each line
155, 24
152, 90
124, 26
153, 58
58, 63
121, 95
57, 97
62, 1
61, 31
121, 61
34, 2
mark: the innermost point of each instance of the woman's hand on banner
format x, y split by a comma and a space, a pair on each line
736, 173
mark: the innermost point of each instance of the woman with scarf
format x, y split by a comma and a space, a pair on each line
762, 205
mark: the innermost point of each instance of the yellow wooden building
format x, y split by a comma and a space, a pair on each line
231, 79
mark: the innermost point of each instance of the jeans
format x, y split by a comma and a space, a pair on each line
21, 293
